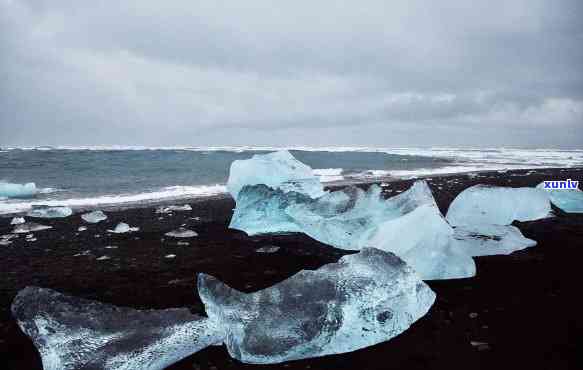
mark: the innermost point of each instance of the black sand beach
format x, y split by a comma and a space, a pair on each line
521, 311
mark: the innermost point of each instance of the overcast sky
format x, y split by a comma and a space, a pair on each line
369, 73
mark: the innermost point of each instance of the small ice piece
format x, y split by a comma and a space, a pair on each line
11, 190
278, 170
84, 253
170, 256
122, 228
487, 240
168, 209
568, 200
103, 258
94, 217
182, 233
17, 221
481, 204
29, 227
364, 299
73, 333
183, 244
50, 212
6, 240
82, 228
409, 224
268, 249
110, 247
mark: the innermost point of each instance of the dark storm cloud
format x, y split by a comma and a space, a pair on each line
215, 73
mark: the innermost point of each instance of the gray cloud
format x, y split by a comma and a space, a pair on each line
401, 73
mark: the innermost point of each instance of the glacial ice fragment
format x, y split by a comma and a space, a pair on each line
78, 334
279, 170
50, 212
123, 228
10, 190
568, 200
168, 209
182, 233
409, 224
364, 299
29, 227
481, 204
94, 217
17, 221
488, 240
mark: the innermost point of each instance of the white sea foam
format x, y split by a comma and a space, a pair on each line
168, 193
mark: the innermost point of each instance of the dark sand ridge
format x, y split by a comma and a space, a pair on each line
525, 306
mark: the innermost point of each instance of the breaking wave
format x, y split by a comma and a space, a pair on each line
167, 193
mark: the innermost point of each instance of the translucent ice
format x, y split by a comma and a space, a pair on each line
122, 228
94, 217
279, 170
481, 204
409, 224
17, 221
10, 190
168, 209
569, 200
29, 227
182, 233
72, 333
50, 212
366, 298
486, 240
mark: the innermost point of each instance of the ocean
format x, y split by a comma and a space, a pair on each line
92, 177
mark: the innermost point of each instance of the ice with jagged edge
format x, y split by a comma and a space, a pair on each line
94, 217
364, 299
409, 224
11, 190
487, 240
50, 212
73, 333
493, 205
568, 200
122, 228
279, 170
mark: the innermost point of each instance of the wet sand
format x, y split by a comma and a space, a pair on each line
520, 311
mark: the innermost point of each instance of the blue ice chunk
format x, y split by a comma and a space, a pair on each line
493, 205
569, 200
488, 240
409, 224
78, 334
364, 299
279, 170
10, 190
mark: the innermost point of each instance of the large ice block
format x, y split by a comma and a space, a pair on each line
409, 224
10, 190
50, 212
568, 200
481, 204
78, 334
487, 240
366, 298
279, 170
